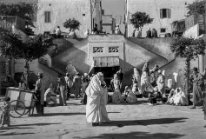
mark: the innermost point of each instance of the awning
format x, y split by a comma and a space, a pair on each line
110, 61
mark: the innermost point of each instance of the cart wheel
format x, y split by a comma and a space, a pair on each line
17, 109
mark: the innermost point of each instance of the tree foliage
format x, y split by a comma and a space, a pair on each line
187, 47
72, 24
23, 10
197, 7
139, 19
11, 45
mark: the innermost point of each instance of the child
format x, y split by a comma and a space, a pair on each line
5, 118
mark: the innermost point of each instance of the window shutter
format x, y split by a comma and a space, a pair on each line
169, 13
47, 15
161, 13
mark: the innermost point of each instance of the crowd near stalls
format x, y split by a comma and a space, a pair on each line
150, 84
154, 85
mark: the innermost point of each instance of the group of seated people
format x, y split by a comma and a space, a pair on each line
150, 84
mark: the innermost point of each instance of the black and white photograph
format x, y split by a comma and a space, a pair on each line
102, 69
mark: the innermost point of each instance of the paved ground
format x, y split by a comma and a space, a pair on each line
139, 121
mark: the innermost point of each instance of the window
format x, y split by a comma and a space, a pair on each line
97, 49
162, 30
47, 15
165, 13
113, 49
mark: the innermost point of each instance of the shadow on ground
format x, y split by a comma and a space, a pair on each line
140, 101
137, 135
14, 133
58, 114
63, 114
14, 127
36, 124
21, 126
145, 122
73, 103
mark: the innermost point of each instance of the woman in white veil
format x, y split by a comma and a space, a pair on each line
96, 112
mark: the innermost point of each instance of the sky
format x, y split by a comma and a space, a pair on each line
116, 8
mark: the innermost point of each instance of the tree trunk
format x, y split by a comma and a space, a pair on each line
27, 74
187, 74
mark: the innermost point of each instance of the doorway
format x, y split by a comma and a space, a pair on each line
107, 71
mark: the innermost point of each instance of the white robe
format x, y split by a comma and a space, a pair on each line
161, 83
178, 98
145, 84
96, 102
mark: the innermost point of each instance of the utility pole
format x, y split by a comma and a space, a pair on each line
92, 2
202, 57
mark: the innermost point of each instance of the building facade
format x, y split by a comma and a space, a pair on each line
163, 12
53, 13
108, 24
96, 14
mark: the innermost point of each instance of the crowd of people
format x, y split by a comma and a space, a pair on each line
93, 91
152, 84
67, 86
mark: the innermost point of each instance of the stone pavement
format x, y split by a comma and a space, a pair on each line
139, 121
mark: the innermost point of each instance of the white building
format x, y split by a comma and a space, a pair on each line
53, 13
164, 12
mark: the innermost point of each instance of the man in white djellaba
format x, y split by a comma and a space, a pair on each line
96, 112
